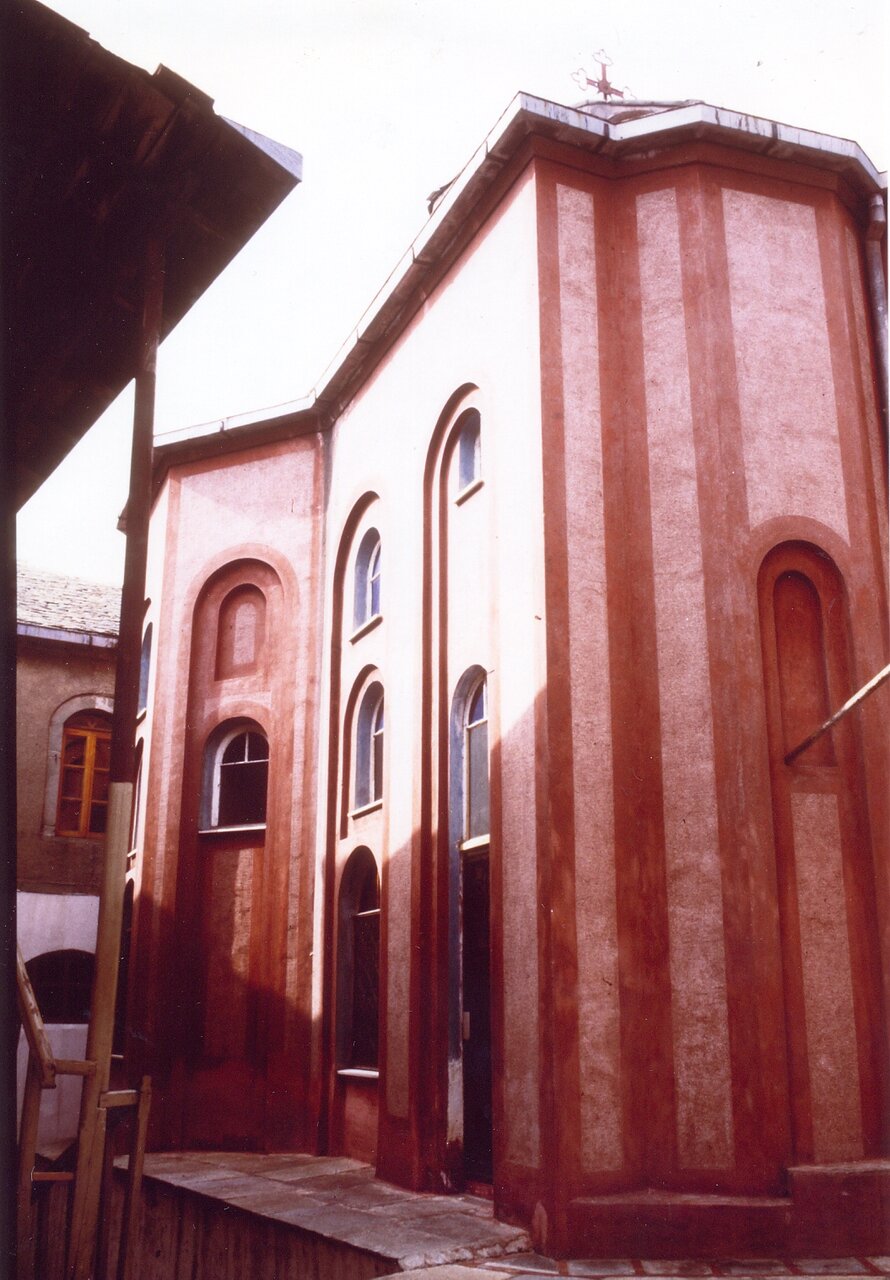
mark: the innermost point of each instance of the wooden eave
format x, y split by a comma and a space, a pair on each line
100, 156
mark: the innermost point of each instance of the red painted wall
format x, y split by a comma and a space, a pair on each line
673, 368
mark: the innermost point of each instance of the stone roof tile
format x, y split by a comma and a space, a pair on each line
46, 599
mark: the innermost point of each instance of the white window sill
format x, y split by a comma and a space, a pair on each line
366, 808
467, 492
366, 627
358, 1073
218, 831
476, 842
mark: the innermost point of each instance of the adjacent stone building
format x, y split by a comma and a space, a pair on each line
66, 642
473, 842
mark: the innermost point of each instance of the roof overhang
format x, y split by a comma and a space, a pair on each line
643, 138
101, 156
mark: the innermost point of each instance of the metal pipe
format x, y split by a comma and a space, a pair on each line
874, 683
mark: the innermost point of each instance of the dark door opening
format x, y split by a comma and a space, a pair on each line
476, 1022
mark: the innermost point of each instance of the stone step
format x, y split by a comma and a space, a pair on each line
218, 1216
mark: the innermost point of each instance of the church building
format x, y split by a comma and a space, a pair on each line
475, 836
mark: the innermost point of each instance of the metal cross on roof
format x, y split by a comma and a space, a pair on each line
602, 86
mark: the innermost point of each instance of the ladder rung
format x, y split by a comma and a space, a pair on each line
48, 1175
74, 1067
119, 1098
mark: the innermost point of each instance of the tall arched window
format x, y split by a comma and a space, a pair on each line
144, 670
469, 449
369, 747
367, 578
83, 775
236, 774
475, 762
358, 962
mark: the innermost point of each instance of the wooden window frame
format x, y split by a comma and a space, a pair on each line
92, 735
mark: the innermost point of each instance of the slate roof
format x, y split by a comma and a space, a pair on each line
52, 600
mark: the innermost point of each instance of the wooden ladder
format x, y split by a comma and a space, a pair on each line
43, 1068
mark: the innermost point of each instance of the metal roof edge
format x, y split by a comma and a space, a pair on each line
525, 115
94, 639
285, 157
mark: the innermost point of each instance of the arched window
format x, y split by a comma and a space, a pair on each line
62, 982
144, 670
469, 449
137, 794
358, 962
236, 775
475, 762
367, 578
83, 775
240, 636
369, 747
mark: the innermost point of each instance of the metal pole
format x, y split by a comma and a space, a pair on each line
91, 1131
874, 683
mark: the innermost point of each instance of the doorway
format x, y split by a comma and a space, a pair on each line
476, 1018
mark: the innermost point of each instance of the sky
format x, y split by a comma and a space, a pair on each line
386, 100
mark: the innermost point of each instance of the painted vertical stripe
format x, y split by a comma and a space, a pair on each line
596, 921
695, 900
398, 946
827, 980
783, 358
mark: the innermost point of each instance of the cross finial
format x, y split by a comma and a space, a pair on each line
602, 85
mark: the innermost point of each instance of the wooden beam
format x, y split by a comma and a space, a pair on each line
35, 1031
91, 1129
27, 1152
132, 1202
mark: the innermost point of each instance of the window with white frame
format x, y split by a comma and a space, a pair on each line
369, 747
475, 761
469, 449
367, 579
358, 963
144, 670
236, 776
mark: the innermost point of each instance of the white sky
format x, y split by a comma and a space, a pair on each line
386, 100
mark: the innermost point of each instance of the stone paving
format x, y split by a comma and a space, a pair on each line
341, 1200
531, 1266
438, 1237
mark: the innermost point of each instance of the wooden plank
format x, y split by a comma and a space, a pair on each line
93, 1116
132, 1196
48, 1175
35, 1031
87, 1186
27, 1151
